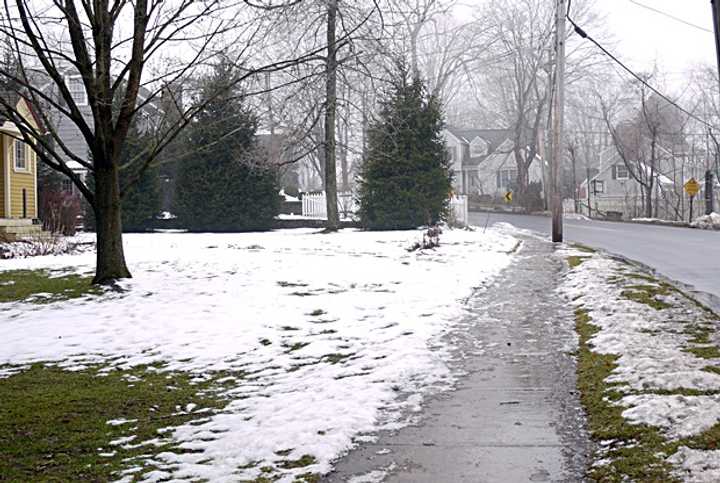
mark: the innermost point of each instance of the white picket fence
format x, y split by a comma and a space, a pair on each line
459, 206
314, 205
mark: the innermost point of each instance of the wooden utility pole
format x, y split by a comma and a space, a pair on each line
558, 122
709, 183
333, 219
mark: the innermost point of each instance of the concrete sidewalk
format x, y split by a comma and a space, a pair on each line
516, 416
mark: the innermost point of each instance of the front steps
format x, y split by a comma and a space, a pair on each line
18, 229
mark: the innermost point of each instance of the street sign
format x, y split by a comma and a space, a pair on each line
692, 187
508, 197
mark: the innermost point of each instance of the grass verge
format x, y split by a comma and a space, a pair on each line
633, 452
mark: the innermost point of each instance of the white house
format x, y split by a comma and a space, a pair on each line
483, 161
614, 189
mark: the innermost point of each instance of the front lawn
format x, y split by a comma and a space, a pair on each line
91, 424
300, 343
44, 286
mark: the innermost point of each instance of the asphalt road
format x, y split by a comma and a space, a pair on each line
688, 256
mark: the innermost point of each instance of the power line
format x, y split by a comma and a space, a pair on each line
671, 16
585, 35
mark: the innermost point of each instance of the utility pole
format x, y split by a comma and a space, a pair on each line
333, 218
558, 121
709, 183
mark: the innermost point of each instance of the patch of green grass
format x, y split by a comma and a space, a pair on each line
713, 369
303, 461
700, 334
583, 248
53, 422
42, 286
647, 294
641, 276
707, 440
574, 260
308, 478
295, 346
335, 358
707, 352
634, 454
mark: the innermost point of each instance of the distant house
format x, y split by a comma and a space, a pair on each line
483, 161
18, 175
614, 190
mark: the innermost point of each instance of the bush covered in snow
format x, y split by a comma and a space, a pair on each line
43, 245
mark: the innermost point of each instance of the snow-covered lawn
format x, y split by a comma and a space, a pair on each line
665, 366
325, 338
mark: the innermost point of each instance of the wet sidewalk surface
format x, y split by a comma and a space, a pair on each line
515, 416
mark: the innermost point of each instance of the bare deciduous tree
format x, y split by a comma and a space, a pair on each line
112, 46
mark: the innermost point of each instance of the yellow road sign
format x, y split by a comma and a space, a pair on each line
692, 187
508, 197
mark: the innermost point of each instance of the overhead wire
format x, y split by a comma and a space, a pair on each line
671, 16
583, 34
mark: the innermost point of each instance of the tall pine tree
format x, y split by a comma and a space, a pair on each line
406, 180
223, 184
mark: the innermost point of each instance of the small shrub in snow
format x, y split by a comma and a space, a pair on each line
43, 245
430, 239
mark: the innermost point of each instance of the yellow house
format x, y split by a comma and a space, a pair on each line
18, 178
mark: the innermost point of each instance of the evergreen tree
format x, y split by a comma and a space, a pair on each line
141, 203
222, 184
406, 180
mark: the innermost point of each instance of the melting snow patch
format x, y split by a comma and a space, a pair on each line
680, 416
658, 335
696, 466
322, 336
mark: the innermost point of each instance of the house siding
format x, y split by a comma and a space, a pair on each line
21, 181
2, 182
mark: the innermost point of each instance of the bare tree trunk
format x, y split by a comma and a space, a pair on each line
649, 201
344, 135
108, 219
587, 187
333, 220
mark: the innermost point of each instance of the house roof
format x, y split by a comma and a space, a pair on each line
10, 97
493, 136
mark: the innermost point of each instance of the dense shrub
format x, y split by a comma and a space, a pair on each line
224, 182
406, 180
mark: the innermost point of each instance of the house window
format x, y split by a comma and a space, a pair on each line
77, 90
21, 163
506, 178
621, 172
478, 148
598, 186
67, 186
